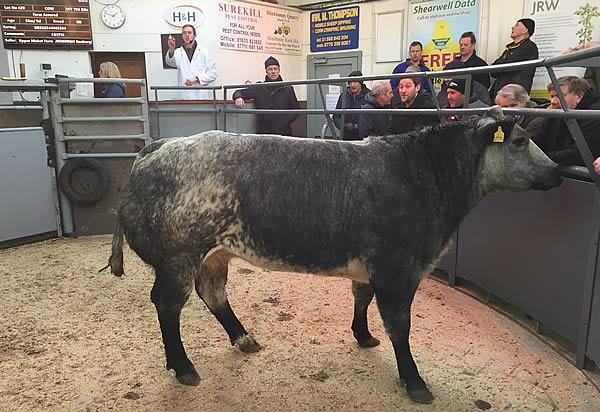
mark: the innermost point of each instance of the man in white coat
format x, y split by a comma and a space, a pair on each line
195, 66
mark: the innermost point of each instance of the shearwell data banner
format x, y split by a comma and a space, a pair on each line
438, 24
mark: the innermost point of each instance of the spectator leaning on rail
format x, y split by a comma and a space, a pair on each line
456, 100
409, 95
376, 124
271, 96
195, 67
111, 70
521, 49
515, 95
553, 136
354, 97
469, 58
416, 52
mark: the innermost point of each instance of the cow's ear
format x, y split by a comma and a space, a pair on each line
495, 113
493, 116
496, 131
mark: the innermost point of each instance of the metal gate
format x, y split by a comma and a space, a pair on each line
96, 141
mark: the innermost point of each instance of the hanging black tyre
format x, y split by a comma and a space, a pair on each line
84, 180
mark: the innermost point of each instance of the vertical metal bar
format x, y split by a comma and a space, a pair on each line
215, 109
329, 122
45, 101
343, 120
588, 289
435, 99
467, 91
157, 114
60, 149
575, 130
225, 109
145, 114
433, 93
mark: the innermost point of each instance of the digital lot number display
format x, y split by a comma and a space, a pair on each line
55, 24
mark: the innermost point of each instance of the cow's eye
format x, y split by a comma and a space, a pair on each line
520, 141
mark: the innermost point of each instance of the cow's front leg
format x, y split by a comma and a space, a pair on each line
363, 295
172, 288
395, 293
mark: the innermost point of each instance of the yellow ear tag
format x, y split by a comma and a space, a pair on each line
499, 135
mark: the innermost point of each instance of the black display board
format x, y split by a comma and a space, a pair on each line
37, 24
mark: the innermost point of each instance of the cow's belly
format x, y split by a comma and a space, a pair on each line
354, 269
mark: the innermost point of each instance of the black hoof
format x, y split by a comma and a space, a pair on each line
369, 342
247, 344
420, 395
190, 378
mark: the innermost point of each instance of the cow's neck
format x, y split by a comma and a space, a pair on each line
452, 158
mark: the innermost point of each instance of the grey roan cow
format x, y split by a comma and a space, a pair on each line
379, 212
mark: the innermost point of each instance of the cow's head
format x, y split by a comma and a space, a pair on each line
512, 161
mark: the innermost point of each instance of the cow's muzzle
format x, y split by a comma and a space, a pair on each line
550, 179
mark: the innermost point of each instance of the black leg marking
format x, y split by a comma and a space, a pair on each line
395, 289
172, 288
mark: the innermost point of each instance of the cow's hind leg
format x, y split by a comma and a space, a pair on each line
395, 293
172, 287
363, 295
210, 286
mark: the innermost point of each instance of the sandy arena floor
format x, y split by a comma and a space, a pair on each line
75, 339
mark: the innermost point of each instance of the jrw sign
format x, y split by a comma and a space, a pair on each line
556, 28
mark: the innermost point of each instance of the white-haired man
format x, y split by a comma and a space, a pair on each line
379, 97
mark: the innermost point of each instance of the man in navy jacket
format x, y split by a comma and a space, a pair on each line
416, 52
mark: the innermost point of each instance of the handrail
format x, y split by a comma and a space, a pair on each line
25, 86
570, 114
96, 80
552, 61
186, 87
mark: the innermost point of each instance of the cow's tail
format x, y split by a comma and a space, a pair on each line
115, 261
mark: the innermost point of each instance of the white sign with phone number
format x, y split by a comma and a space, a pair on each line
256, 28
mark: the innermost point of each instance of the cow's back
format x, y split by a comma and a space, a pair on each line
299, 200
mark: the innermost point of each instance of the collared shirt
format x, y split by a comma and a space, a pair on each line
190, 50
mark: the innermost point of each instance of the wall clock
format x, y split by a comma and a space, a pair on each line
113, 16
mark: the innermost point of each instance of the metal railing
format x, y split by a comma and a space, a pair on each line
591, 54
54, 103
158, 110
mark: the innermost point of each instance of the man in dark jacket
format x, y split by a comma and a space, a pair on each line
352, 98
271, 96
416, 54
456, 100
469, 58
477, 89
376, 124
409, 95
554, 137
521, 49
